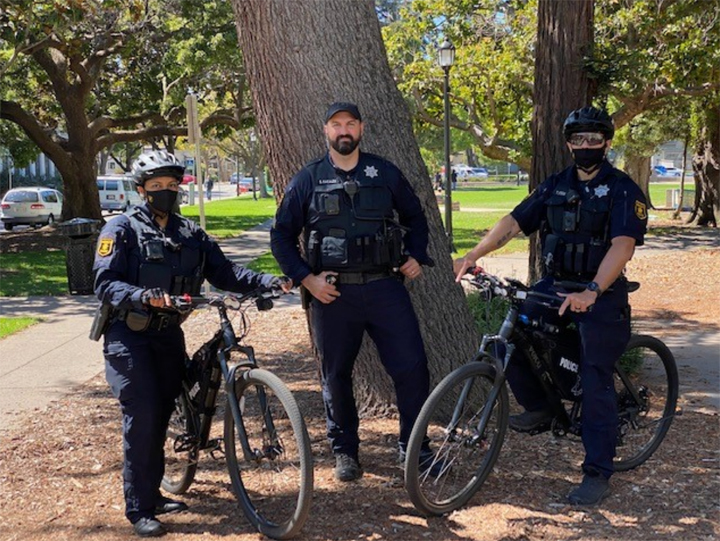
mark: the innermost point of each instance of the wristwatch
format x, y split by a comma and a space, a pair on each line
593, 286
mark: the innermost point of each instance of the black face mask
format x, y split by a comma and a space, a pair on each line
588, 159
162, 201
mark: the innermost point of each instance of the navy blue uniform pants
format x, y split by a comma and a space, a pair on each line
383, 309
604, 334
144, 371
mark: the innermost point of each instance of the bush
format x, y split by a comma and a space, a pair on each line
488, 316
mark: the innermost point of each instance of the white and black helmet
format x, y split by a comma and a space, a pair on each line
156, 163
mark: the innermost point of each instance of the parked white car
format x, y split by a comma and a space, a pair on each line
32, 205
117, 193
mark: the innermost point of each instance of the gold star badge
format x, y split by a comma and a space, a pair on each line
105, 247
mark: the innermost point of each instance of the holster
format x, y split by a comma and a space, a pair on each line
100, 321
305, 297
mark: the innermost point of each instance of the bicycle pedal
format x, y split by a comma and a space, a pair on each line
214, 448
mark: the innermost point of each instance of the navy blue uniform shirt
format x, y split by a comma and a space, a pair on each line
292, 214
628, 215
118, 258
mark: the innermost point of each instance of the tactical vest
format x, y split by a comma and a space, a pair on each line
350, 220
576, 228
176, 267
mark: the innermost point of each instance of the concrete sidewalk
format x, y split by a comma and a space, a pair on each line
47, 360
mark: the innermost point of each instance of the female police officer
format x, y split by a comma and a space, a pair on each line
143, 257
590, 218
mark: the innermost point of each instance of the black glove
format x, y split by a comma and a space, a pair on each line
149, 294
277, 282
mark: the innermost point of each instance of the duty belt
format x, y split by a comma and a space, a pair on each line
158, 322
360, 278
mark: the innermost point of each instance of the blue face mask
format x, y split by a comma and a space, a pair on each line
162, 201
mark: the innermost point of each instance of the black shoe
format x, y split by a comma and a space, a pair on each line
532, 421
149, 527
165, 506
428, 462
347, 468
590, 491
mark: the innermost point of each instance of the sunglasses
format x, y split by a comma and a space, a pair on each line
591, 138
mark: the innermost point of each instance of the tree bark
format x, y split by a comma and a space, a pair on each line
302, 56
681, 199
564, 39
706, 164
638, 169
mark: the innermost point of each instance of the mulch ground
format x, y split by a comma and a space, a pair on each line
60, 470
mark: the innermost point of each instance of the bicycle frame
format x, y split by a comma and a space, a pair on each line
224, 343
510, 336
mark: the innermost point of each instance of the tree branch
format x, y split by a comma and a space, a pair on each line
13, 112
150, 132
104, 123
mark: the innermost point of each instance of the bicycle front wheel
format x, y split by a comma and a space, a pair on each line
273, 476
182, 447
646, 383
465, 431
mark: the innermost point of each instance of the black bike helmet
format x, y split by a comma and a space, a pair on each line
589, 119
156, 163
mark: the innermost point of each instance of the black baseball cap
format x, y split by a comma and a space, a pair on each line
340, 106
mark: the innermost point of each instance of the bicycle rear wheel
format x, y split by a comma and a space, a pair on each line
646, 383
273, 485
466, 454
182, 443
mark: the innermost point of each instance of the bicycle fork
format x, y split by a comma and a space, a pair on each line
271, 448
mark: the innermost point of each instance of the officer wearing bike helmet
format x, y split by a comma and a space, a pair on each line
590, 218
355, 257
143, 257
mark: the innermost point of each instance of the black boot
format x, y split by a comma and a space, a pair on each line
592, 489
166, 505
532, 421
149, 527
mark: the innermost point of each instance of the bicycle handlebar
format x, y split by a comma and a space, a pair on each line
511, 288
186, 303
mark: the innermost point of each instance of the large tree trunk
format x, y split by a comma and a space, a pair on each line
300, 57
706, 164
565, 37
638, 168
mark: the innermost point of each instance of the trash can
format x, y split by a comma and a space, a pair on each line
82, 235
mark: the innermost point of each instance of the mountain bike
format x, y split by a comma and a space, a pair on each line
265, 441
465, 418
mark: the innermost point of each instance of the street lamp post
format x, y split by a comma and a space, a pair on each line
446, 57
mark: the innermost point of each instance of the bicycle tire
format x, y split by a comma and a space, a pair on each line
651, 369
466, 458
275, 487
182, 448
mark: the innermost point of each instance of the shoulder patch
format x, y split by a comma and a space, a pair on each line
105, 247
640, 210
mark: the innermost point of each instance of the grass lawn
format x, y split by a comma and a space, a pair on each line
10, 325
490, 197
33, 273
265, 263
469, 227
229, 217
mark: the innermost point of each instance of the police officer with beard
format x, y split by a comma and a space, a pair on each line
590, 217
143, 257
356, 255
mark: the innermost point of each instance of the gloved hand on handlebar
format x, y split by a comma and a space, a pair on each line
280, 282
155, 297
